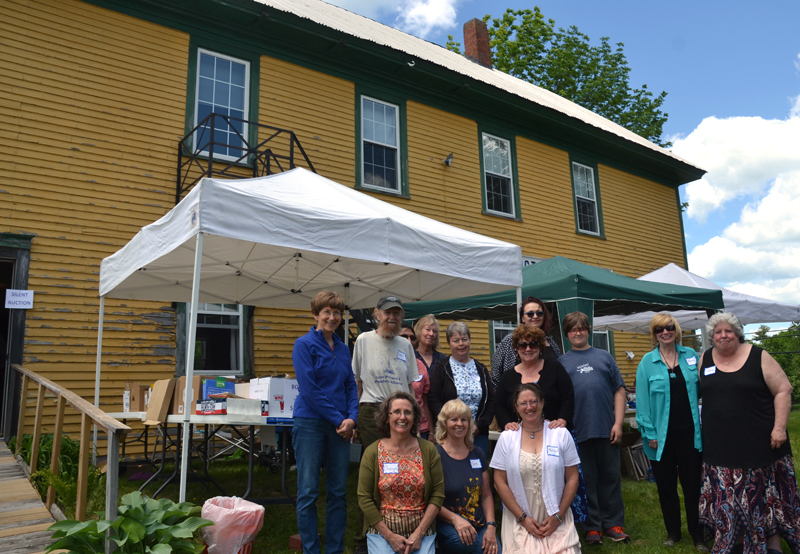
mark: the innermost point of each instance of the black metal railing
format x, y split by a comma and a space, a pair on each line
219, 146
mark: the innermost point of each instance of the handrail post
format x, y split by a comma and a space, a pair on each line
83, 468
112, 475
22, 405
54, 460
37, 430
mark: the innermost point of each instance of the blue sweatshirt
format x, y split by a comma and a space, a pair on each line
327, 388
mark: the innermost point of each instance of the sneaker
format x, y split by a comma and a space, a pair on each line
360, 549
617, 534
594, 537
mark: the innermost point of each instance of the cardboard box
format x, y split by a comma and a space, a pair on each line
217, 386
177, 396
160, 400
138, 394
244, 411
280, 393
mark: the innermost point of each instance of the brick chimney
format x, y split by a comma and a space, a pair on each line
476, 42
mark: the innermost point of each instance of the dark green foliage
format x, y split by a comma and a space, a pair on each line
531, 48
785, 348
144, 525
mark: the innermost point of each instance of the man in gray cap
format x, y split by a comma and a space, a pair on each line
383, 362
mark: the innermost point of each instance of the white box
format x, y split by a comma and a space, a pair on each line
281, 394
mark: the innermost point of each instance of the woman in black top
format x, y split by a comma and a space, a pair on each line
559, 400
749, 486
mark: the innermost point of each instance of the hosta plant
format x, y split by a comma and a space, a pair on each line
144, 526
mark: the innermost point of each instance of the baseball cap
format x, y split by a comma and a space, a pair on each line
389, 301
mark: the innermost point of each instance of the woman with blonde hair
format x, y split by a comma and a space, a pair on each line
466, 521
426, 330
667, 390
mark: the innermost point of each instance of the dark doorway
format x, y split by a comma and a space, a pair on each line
6, 282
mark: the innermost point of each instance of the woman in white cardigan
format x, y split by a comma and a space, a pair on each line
536, 476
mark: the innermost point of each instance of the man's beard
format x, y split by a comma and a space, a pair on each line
388, 333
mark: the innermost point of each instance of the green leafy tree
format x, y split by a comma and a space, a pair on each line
785, 348
526, 45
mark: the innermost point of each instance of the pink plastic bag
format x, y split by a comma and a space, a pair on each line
236, 523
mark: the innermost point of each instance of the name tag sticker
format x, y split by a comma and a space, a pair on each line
691, 361
418, 379
401, 355
476, 464
552, 450
391, 469
709, 370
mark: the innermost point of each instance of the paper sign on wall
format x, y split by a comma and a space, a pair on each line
19, 299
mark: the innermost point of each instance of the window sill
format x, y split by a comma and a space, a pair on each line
503, 216
600, 236
378, 190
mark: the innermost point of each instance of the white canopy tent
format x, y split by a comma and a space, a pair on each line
749, 309
276, 241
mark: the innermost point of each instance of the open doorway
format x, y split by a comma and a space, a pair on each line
6, 282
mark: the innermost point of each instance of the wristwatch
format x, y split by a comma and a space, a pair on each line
522, 517
558, 517
488, 523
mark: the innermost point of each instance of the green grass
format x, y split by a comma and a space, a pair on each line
642, 511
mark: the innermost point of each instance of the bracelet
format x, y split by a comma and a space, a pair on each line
558, 517
522, 517
488, 523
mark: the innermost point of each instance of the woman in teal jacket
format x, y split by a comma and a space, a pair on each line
669, 421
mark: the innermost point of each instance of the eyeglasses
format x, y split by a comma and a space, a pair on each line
530, 403
330, 313
660, 329
525, 345
576, 331
412, 338
536, 313
398, 413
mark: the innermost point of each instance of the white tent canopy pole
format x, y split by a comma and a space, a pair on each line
97, 370
190, 350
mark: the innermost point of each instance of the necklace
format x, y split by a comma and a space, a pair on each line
664, 358
533, 433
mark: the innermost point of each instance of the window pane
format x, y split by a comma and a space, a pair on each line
222, 94
496, 156
238, 73
237, 98
380, 166
600, 340
207, 66
587, 217
205, 91
223, 72
498, 194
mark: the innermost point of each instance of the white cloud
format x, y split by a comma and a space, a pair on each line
760, 253
795, 111
417, 17
741, 154
421, 17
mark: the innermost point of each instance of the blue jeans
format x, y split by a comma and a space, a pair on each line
448, 541
376, 544
315, 441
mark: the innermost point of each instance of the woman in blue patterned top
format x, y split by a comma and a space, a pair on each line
466, 521
460, 376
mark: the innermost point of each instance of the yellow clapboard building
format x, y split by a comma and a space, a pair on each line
95, 97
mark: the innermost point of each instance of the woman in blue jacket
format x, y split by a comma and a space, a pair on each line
325, 415
669, 421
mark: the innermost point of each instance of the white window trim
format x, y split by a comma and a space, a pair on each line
399, 181
593, 201
245, 129
505, 325
241, 328
608, 341
510, 177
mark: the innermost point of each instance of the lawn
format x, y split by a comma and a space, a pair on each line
642, 511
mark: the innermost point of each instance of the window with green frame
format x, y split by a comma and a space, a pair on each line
381, 143
586, 192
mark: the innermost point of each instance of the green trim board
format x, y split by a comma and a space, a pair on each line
593, 165
683, 234
390, 97
15, 240
283, 35
503, 134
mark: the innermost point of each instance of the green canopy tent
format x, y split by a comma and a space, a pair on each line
574, 287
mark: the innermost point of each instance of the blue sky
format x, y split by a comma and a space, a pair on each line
732, 72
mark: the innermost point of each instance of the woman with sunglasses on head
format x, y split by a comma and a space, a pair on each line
667, 412
529, 343
533, 314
